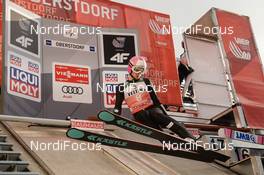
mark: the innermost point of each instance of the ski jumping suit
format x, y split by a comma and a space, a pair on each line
143, 103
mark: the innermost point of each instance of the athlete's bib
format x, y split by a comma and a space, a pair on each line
137, 96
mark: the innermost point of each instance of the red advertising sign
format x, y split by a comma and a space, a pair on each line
245, 66
87, 125
154, 33
71, 74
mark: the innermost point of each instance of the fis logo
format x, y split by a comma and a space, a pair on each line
111, 77
15, 61
33, 67
240, 48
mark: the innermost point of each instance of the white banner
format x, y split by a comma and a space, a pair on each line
71, 83
24, 77
110, 81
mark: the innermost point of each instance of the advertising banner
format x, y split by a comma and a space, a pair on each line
242, 136
110, 81
117, 49
72, 83
21, 32
154, 35
245, 66
70, 72
88, 125
24, 77
71, 46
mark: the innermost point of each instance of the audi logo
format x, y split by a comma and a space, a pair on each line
72, 90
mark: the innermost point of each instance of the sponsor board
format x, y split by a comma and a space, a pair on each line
71, 83
111, 79
245, 66
117, 49
21, 36
115, 15
24, 77
87, 125
69, 45
242, 136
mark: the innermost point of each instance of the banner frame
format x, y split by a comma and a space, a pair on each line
225, 61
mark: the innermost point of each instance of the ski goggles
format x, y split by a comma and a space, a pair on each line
138, 69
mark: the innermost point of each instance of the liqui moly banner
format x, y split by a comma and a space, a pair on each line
23, 79
72, 83
154, 30
245, 65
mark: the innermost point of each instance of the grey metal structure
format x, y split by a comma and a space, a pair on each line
209, 79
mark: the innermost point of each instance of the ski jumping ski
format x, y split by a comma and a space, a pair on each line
199, 154
133, 145
119, 121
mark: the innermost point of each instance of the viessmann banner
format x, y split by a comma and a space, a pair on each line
72, 83
155, 43
245, 65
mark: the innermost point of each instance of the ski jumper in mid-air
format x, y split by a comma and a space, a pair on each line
140, 96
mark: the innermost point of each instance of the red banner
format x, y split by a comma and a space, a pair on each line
71, 74
155, 38
245, 65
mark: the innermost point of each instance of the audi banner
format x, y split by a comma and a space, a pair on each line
72, 83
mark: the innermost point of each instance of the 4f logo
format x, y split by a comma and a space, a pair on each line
24, 41
22, 35
120, 57
118, 49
